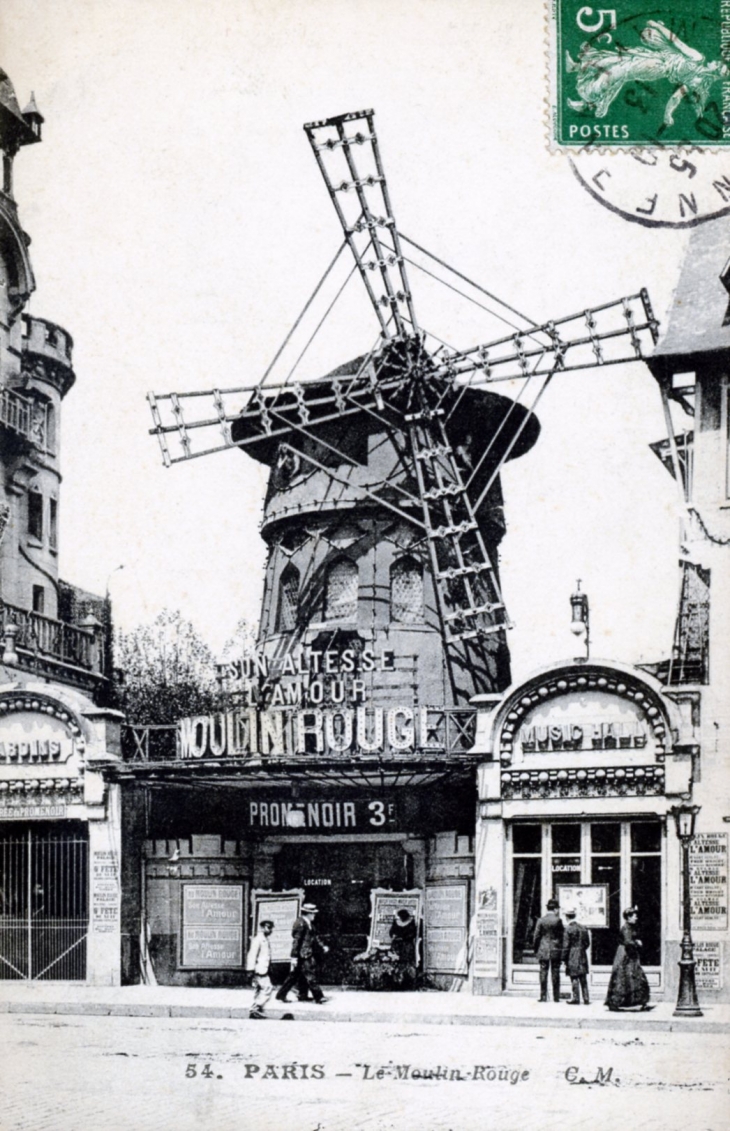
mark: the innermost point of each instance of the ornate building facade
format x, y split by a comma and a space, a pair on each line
59, 820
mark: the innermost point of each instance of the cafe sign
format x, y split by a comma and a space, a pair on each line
36, 729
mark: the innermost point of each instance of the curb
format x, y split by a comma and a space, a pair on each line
98, 1009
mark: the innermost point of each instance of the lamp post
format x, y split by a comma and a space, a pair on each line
687, 1003
580, 624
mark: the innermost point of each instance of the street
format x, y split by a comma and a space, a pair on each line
86, 1073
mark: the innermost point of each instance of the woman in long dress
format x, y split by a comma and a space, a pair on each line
628, 987
403, 935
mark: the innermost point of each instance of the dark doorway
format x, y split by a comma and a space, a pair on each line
339, 878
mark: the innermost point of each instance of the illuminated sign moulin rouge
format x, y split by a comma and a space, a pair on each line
250, 732
310, 701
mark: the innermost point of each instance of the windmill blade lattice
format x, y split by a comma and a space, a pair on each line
615, 332
347, 153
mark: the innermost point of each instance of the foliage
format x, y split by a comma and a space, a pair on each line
164, 671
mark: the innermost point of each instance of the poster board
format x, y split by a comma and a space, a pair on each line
211, 935
708, 887
589, 901
445, 928
282, 907
383, 905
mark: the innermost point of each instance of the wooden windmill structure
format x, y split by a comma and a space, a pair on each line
419, 394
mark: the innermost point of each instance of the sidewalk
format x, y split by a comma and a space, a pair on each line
430, 1008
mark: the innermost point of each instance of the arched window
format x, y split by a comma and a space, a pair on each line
340, 594
288, 610
406, 591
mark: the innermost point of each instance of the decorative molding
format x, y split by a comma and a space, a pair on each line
614, 781
40, 704
19, 791
584, 679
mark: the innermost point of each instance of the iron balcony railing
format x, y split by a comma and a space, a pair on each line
27, 418
49, 637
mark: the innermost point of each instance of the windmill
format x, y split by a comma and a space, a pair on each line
418, 392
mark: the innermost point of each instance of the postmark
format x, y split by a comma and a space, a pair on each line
657, 188
625, 76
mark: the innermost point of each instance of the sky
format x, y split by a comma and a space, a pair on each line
179, 223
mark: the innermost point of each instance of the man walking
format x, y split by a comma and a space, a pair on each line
258, 963
305, 950
548, 946
575, 956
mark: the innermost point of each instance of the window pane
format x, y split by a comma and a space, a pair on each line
527, 838
527, 903
646, 836
341, 591
565, 870
606, 838
406, 591
288, 599
604, 941
646, 894
35, 515
566, 838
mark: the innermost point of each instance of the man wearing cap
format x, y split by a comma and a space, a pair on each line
305, 950
576, 941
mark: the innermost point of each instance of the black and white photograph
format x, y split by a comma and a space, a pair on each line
364, 565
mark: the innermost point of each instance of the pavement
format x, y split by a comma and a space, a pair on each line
423, 1007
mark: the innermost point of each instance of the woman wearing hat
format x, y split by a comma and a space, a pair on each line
628, 987
306, 948
403, 931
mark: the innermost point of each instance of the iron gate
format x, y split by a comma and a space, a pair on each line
44, 903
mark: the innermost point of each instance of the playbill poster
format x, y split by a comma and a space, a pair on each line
364, 564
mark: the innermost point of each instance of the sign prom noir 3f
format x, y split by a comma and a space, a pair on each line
623, 76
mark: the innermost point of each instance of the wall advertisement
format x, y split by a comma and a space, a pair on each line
708, 881
212, 925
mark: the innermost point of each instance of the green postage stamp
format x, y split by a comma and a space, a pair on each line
629, 76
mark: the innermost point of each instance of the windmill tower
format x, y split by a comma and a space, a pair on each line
384, 509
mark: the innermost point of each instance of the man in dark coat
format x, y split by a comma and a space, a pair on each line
305, 950
548, 946
575, 956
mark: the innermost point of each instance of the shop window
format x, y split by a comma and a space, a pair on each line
39, 599
406, 591
35, 515
606, 869
606, 837
646, 887
626, 856
53, 524
340, 594
288, 610
526, 889
565, 855
527, 838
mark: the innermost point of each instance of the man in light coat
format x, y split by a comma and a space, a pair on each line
258, 963
548, 946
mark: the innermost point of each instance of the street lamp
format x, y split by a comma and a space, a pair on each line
687, 1003
580, 624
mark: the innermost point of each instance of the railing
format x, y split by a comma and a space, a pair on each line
15, 412
451, 732
27, 418
49, 637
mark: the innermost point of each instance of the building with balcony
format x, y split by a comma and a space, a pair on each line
59, 824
